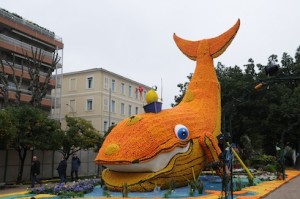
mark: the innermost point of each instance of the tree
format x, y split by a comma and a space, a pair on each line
8, 130
34, 131
39, 83
102, 139
266, 114
17, 80
39, 86
80, 134
182, 89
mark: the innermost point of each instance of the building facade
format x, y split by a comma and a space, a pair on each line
102, 97
28, 54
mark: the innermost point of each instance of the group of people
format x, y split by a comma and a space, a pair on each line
61, 169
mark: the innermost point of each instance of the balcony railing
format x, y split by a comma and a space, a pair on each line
18, 19
18, 66
23, 45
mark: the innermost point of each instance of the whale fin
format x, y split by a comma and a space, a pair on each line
217, 45
189, 48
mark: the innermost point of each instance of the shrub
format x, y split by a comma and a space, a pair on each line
270, 168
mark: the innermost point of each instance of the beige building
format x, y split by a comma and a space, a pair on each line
101, 97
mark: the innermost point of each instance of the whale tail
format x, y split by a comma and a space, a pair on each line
216, 45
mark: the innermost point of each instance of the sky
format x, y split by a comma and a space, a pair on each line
134, 38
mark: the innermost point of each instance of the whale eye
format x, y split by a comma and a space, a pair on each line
181, 132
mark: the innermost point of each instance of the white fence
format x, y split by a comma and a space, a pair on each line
10, 163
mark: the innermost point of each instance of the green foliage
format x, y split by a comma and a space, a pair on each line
238, 184
270, 168
191, 189
27, 128
182, 89
106, 194
168, 193
250, 181
102, 139
125, 190
8, 130
263, 160
80, 134
261, 114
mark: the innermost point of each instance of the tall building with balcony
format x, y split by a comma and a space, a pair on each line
102, 97
22, 41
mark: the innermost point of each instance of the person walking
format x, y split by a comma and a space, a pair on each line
35, 171
61, 169
75, 166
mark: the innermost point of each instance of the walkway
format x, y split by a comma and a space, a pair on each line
290, 190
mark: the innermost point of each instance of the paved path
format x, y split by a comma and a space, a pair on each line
13, 189
290, 190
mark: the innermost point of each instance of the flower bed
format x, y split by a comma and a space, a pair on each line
75, 189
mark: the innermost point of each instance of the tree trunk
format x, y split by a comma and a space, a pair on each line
22, 151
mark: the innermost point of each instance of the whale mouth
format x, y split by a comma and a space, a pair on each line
156, 164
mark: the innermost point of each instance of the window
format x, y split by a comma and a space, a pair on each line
105, 104
72, 84
113, 85
137, 94
136, 110
89, 82
123, 88
72, 106
105, 127
113, 106
89, 104
122, 108
129, 110
105, 83
130, 91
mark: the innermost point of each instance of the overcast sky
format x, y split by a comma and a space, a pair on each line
134, 38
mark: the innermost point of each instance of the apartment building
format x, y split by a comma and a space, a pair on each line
102, 97
22, 43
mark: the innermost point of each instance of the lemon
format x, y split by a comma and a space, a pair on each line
151, 96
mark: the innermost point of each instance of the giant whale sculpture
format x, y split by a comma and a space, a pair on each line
174, 145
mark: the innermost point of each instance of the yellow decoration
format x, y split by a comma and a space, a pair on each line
151, 96
133, 119
112, 149
188, 97
142, 143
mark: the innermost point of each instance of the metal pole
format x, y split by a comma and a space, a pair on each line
109, 107
282, 155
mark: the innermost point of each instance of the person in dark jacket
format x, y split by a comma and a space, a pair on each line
35, 171
61, 169
75, 166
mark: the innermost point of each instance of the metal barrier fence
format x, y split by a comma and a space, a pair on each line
9, 164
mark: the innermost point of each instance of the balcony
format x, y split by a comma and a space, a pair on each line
20, 23
22, 48
25, 75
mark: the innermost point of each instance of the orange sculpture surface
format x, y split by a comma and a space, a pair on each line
174, 145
